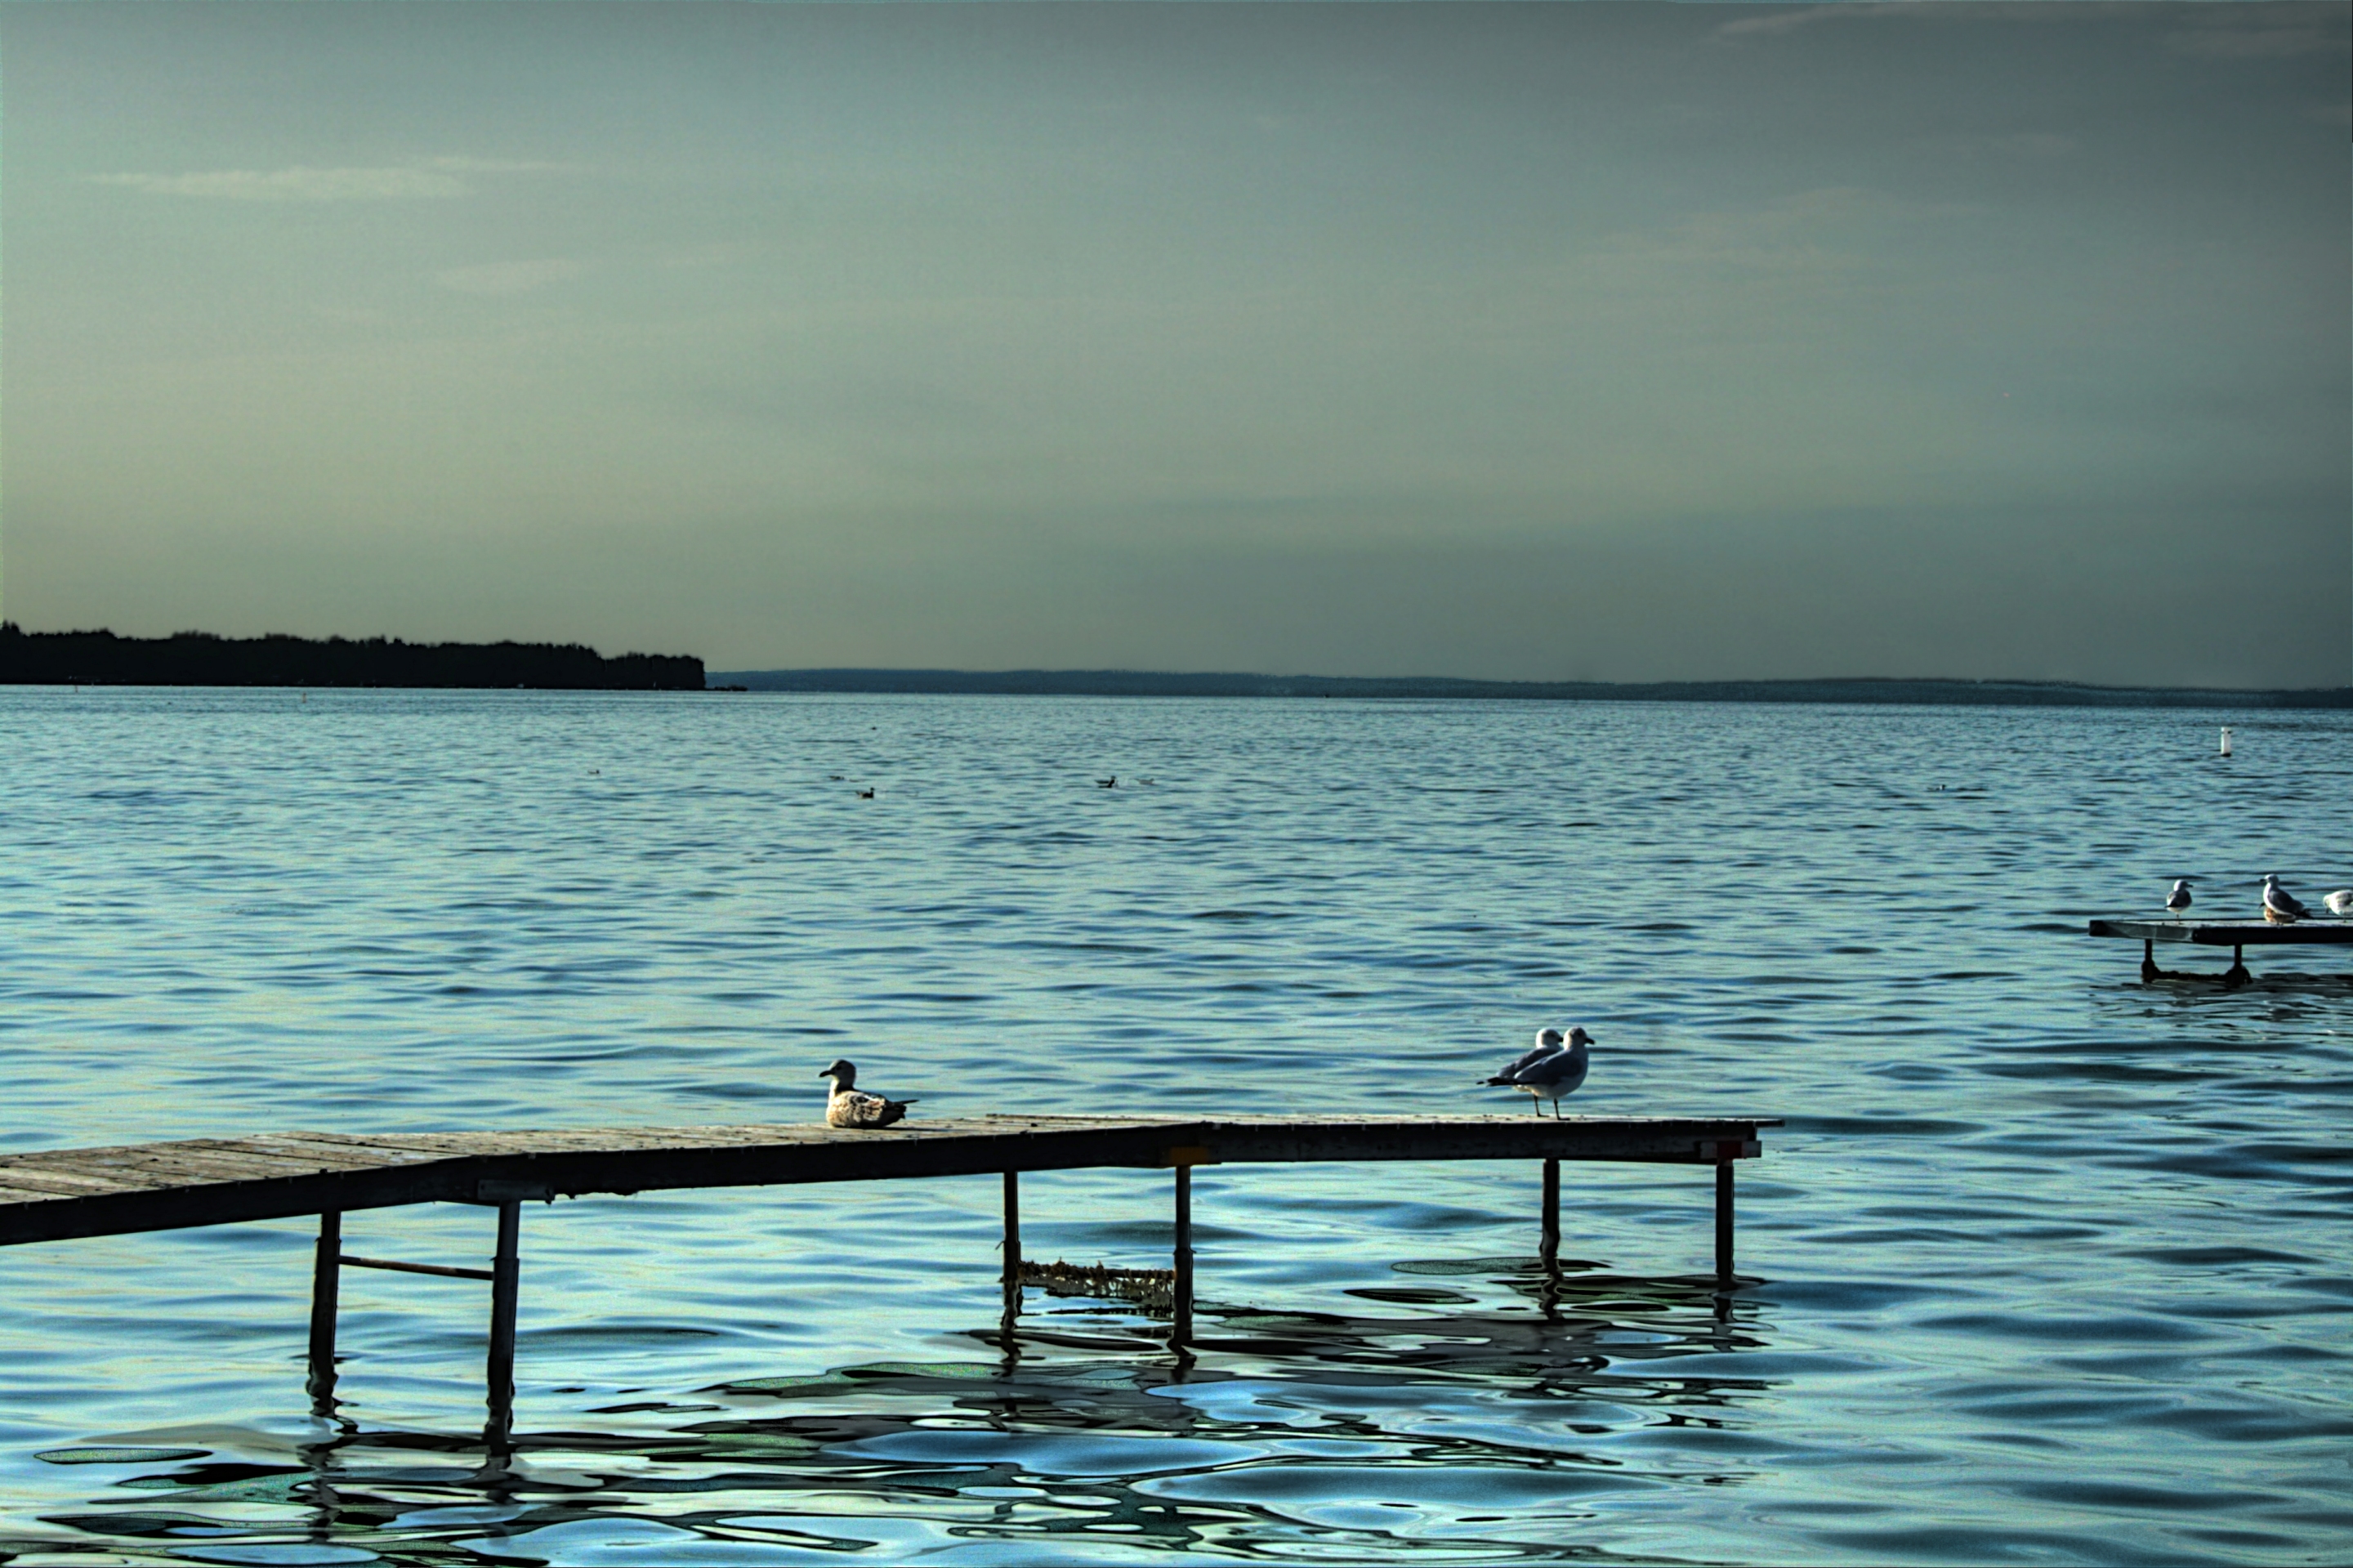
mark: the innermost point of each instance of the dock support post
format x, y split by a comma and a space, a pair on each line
506, 1271
1548, 1238
2149, 969
1181, 1334
1724, 1224
2237, 973
326, 1277
1012, 1254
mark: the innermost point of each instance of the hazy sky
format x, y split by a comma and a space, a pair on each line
1575, 342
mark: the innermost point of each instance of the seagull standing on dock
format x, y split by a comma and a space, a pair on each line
1554, 1067
2177, 903
2340, 903
2282, 908
850, 1106
1547, 1041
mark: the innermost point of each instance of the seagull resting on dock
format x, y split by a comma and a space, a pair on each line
1554, 1068
2177, 903
1547, 1041
2340, 903
849, 1107
2282, 908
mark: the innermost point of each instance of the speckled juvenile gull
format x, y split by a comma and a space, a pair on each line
849, 1107
2340, 902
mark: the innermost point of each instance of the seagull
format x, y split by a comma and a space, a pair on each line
2282, 908
847, 1107
1549, 1071
2340, 902
1547, 1041
1551, 1077
2177, 903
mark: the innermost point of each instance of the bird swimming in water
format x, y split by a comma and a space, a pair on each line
2282, 908
2340, 902
2177, 903
851, 1106
1554, 1067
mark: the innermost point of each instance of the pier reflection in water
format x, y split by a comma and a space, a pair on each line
1483, 1421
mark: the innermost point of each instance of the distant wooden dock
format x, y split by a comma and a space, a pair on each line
2236, 934
57, 1194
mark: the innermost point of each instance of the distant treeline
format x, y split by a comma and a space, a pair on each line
201, 659
1151, 683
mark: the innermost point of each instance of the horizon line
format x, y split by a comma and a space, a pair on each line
1122, 682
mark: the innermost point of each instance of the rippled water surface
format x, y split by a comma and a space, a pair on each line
2048, 1265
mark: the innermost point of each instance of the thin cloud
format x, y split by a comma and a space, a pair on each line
2033, 144
1793, 234
1778, 22
464, 165
2219, 40
1775, 22
297, 183
2212, 32
432, 178
508, 277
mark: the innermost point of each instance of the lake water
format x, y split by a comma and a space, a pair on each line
2049, 1266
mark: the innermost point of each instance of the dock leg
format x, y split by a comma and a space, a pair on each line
1724, 1224
506, 1272
326, 1277
1181, 1334
1548, 1238
2149, 969
1012, 1254
2237, 973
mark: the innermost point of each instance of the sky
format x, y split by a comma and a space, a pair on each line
1575, 342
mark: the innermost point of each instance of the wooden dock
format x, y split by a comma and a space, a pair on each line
2236, 934
57, 1194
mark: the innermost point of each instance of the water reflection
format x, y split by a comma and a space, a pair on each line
1483, 1432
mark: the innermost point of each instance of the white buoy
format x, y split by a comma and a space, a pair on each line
2226, 741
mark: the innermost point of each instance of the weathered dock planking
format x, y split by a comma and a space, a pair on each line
58, 1194
2236, 934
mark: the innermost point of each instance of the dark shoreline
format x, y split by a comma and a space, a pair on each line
201, 659
1153, 683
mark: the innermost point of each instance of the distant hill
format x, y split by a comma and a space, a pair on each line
1155, 683
201, 659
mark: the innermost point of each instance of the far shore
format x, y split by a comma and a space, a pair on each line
1155, 683
202, 659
